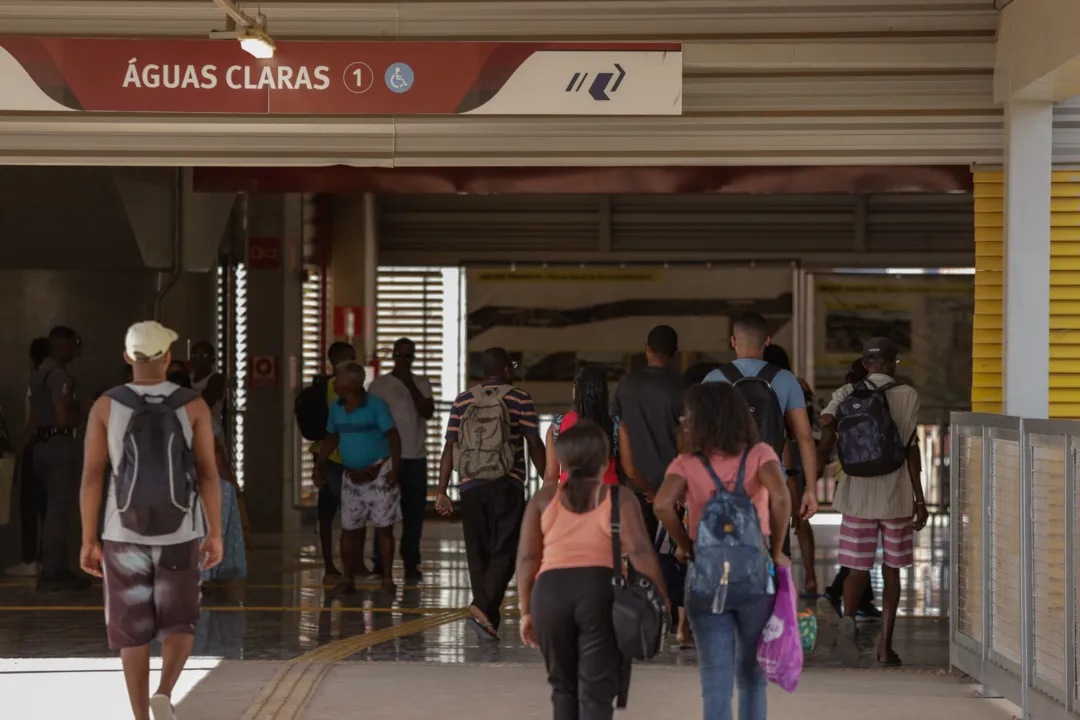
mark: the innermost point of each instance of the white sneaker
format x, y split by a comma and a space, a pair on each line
22, 570
161, 708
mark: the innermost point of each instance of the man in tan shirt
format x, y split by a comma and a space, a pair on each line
889, 506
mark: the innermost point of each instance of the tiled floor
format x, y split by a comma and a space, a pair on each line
283, 613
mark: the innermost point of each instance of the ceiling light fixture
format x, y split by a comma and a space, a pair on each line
256, 42
251, 32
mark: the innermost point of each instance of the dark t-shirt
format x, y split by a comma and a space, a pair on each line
650, 402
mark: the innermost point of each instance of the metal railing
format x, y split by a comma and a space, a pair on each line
1014, 559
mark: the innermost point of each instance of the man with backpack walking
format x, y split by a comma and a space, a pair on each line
159, 442
489, 427
777, 402
873, 422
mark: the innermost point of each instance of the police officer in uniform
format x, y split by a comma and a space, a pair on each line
57, 458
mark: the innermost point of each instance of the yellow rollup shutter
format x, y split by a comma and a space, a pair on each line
1065, 295
986, 347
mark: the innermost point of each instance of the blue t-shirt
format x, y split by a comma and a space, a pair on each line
786, 386
362, 432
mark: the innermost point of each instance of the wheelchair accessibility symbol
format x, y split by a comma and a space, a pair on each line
399, 78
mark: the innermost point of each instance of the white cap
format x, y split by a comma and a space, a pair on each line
148, 340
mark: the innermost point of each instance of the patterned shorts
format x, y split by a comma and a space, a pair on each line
150, 591
372, 504
859, 542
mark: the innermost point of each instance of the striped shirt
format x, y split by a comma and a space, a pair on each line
523, 422
888, 497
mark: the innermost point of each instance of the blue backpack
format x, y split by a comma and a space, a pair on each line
731, 565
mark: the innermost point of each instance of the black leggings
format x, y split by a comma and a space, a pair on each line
571, 612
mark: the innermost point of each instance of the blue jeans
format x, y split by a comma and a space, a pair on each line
727, 656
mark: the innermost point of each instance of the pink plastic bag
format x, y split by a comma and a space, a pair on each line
779, 651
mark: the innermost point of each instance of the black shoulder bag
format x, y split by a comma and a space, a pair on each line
638, 613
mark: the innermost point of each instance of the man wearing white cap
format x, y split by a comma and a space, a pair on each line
158, 439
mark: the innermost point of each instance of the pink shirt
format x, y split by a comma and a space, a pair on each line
700, 486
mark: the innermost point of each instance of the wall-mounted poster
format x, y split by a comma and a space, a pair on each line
554, 320
929, 317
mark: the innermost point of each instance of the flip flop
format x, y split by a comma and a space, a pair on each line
486, 633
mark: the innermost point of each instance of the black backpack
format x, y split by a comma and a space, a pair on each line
764, 404
155, 481
311, 409
868, 439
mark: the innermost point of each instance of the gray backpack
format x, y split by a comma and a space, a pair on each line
483, 450
155, 481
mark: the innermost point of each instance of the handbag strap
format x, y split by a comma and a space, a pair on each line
739, 479
616, 543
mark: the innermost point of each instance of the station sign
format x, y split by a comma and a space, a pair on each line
56, 74
262, 372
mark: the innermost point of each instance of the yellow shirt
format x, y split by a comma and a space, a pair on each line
331, 398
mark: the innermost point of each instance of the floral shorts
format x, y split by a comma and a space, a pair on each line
372, 504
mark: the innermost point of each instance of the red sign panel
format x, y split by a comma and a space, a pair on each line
348, 320
262, 372
346, 78
264, 253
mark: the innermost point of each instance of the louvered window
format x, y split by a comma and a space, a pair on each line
311, 364
424, 305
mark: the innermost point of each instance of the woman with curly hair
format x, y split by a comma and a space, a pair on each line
723, 445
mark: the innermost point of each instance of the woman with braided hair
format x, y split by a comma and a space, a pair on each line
591, 401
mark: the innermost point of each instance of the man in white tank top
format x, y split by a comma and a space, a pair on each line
151, 581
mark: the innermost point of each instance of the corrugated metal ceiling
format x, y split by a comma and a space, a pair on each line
767, 82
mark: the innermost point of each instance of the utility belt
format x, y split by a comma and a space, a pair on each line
45, 433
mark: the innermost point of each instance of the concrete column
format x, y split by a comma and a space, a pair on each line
273, 330
348, 259
1026, 332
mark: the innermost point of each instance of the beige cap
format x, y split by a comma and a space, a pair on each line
148, 340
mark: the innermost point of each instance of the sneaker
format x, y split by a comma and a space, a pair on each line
22, 570
869, 612
413, 576
161, 707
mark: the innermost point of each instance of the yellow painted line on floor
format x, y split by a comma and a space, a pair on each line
342, 649
234, 608
288, 692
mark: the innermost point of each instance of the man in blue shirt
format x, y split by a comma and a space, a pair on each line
749, 337
361, 426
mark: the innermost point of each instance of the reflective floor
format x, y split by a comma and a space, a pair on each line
284, 613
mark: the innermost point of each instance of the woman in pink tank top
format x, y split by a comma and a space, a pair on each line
720, 431
564, 571
592, 402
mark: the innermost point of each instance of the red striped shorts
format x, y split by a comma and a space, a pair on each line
859, 542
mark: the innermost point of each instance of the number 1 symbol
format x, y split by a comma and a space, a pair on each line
358, 78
